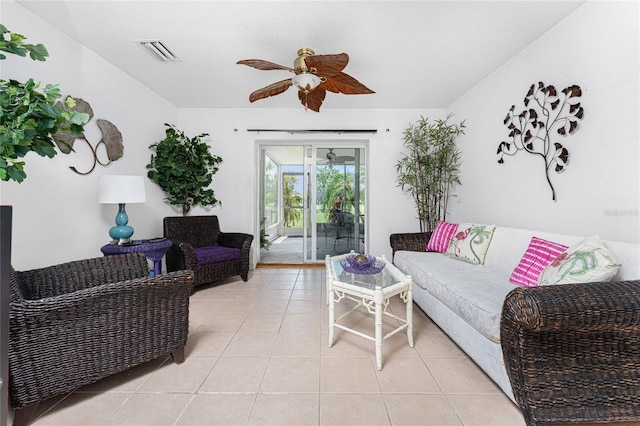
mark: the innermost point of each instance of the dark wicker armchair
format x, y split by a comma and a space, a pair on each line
199, 245
75, 323
572, 351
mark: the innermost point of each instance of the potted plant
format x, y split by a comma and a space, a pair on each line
30, 116
264, 238
430, 168
184, 169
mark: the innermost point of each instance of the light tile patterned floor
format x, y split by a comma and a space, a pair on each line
257, 355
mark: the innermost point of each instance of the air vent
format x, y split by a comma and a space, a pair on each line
158, 50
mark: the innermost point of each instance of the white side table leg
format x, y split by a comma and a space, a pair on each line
331, 302
327, 273
378, 298
409, 304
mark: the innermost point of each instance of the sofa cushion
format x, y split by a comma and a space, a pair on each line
215, 254
471, 242
538, 256
441, 236
474, 293
587, 261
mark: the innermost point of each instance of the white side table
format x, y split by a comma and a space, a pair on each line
371, 291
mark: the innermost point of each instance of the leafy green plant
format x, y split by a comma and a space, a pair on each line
264, 238
30, 116
430, 168
184, 168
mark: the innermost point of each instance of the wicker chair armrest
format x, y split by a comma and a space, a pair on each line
235, 240
574, 343
86, 302
413, 241
188, 253
79, 274
589, 306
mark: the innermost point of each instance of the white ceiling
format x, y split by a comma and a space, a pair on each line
413, 54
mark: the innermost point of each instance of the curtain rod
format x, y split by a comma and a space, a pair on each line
292, 131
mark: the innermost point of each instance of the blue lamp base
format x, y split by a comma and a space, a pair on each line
121, 233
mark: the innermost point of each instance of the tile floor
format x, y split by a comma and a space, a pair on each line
257, 355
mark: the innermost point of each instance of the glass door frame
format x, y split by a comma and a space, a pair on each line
309, 162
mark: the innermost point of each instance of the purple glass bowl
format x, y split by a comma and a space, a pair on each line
370, 265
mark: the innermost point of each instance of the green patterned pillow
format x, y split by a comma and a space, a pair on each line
470, 243
585, 262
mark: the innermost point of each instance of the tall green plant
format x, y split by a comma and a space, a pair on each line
430, 168
30, 116
184, 169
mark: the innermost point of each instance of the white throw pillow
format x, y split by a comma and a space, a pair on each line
471, 242
587, 261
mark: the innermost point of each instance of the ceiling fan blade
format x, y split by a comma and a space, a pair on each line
344, 83
313, 99
263, 65
327, 65
343, 158
270, 90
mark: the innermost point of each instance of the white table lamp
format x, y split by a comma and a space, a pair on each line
118, 189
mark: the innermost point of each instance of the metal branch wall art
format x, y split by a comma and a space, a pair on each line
531, 131
111, 139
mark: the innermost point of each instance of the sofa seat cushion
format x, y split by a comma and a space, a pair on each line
473, 292
215, 254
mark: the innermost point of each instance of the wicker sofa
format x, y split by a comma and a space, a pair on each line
200, 245
75, 323
563, 353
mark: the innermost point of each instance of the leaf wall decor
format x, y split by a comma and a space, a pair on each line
546, 115
111, 139
64, 139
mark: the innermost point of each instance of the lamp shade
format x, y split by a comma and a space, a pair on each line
117, 189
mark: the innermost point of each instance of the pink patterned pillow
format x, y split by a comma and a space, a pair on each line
441, 236
538, 255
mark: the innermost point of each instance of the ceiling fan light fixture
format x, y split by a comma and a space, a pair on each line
306, 82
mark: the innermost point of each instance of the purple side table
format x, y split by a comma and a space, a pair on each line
154, 250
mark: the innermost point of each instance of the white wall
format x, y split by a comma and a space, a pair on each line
55, 211
596, 48
57, 218
235, 184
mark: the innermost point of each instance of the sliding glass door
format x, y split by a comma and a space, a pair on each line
312, 201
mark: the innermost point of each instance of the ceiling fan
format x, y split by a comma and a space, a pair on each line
314, 76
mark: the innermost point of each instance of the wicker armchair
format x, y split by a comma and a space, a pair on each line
572, 351
199, 245
75, 323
